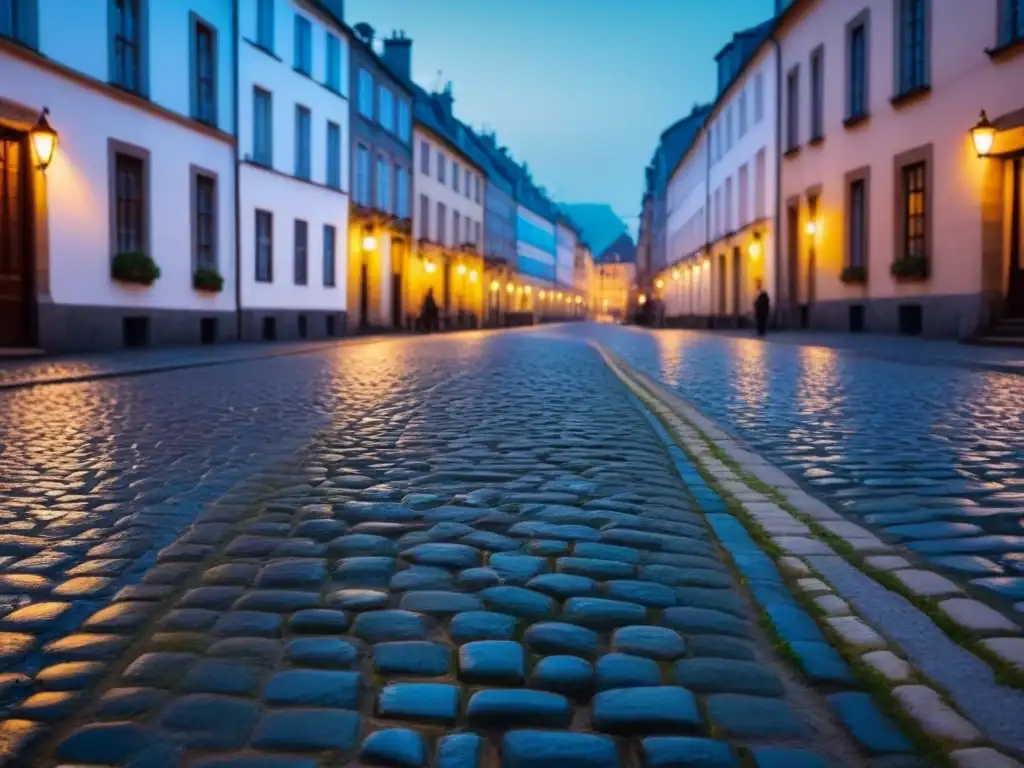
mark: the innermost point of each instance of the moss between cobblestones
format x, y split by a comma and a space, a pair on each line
880, 688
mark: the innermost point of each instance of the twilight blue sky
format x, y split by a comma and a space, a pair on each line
579, 89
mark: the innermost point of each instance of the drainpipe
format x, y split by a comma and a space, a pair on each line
237, 170
778, 177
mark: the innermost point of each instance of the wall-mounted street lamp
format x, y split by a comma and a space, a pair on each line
641, 300
472, 275
369, 240
983, 135
44, 140
429, 266
754, 249
659, 283
509, 287
675, 274
541, 295
461, 269
528, 290
495, 286
812, 227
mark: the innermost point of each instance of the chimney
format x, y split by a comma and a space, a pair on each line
398, 54
446, 99
365, 32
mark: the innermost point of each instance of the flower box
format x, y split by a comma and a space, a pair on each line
134, 267
910, 268
854, 274
206, 279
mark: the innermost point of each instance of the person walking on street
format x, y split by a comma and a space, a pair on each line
430, 312
762, 306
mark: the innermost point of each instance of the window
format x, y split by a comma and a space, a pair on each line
386, 110
476, 233
130, 192
424, 158
442, 213
401, 192
858, 224
383, 185
365, 99
127, 31
204, 220
456, 229
333, 175
817, 93
743, 113
264, 246
330, 262
466, 229
301, 252
441, 161
914, 213
332, 77
456, 170
728, 205
265, 24
362, 191
760, 173
743, 196
204, 72
857, 70
728, 129
476, 188
19, 21
303, 45
793, 110
1011, 21
424, 217
758, 98
718, 212
302, 142
404, 120
466, 186
912, 47
262, 132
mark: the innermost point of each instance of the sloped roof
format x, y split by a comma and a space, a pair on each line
622, 247
599, 225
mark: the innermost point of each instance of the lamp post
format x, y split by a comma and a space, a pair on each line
983, 135
44, 140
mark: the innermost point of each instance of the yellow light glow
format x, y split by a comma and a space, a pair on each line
754, 249
528, 290
44, 140
707, 264
675, 274
519, 290
472, 275
605, 303
812, 227
568, 300
429, 266
659, 283
461, 269
559, 296
495, 286
983, 134
510, 287
579, 299
369, 243
541, 295
642, 300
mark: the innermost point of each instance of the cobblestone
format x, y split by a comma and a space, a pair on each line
348, 522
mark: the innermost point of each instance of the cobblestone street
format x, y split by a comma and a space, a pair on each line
460, 551
916, 440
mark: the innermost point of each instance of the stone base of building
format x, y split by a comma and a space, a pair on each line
951, 316
292, 324
71, 328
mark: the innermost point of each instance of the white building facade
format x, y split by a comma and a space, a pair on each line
565, 255
449, 208
128, 236
685, 289
293, 170
741, 192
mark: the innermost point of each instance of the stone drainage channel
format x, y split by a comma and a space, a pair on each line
948, 697
603, 635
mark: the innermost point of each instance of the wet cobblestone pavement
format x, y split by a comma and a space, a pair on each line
928, 452
457, 551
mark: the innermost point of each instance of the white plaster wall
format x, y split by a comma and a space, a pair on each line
289, 200
428, 184
78, 199
687, 204
280, 193
565, 256
76, 35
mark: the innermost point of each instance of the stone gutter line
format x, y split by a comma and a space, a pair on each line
913, 632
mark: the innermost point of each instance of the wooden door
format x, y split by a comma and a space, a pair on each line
15, 254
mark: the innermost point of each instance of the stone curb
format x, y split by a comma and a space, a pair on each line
793, 539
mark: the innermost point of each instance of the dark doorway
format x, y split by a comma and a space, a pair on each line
135, 331
364, 297
737, 283
792, 259
208, 330
722, 308
396, 300
16, 291
911, 319
1015, 290
303, 327
856, 318
270, 329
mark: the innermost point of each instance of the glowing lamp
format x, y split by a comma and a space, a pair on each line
472, 275
509, 287
754, 249
541, 295
675, 274
983, 134
812, 228
44, 140
579, 299
528, 290
369, 241
495, 286
659, 283
461, 269
642, 300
